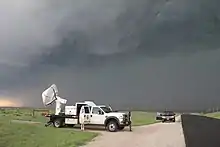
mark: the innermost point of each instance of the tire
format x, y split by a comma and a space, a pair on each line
121, 128
112, 126
58, 123
174, 120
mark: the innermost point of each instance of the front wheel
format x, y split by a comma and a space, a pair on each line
163, 121
112, 126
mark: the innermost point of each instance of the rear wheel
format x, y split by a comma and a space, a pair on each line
58, 123
112, 126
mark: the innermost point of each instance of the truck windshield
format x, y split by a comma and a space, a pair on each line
106, 109
168, 113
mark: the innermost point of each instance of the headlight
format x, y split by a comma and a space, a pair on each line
120, 117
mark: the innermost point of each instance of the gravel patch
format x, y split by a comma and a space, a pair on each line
155, 135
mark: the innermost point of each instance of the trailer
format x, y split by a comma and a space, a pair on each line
92, 114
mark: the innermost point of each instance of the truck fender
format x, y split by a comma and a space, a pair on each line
111, 118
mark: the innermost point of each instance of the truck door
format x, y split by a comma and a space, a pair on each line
84, 115
97, 116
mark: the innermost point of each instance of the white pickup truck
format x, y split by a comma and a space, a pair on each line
166, 116
93, 115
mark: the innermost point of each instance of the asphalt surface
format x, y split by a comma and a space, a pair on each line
201, 131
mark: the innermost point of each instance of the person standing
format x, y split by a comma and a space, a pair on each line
82, 119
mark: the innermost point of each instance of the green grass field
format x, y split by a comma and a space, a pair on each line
36, 135
214, 115
142, 118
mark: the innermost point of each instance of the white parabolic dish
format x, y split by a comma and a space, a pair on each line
49, 95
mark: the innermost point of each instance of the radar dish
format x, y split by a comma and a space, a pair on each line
49, 95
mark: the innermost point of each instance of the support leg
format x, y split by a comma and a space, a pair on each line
130, 127
48, 123
82, 127
129, 115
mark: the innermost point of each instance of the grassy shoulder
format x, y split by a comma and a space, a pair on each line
36, 135
142, 118
213, 115
32, 135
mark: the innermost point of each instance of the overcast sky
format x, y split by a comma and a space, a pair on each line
143, 54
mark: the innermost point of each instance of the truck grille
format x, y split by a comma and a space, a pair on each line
126, 117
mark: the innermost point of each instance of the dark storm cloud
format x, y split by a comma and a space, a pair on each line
135, 53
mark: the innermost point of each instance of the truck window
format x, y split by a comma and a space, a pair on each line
87, 110
106, 109
97, 110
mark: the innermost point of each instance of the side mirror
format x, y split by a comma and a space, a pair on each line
110, 107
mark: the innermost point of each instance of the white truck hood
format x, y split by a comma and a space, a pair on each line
117, 114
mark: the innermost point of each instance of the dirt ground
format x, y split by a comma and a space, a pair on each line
155, 135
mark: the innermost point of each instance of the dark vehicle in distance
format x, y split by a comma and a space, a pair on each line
166, 116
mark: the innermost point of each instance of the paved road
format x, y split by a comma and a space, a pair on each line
156, 135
